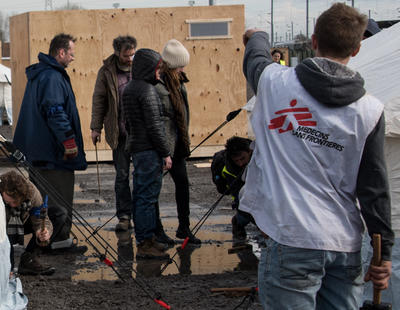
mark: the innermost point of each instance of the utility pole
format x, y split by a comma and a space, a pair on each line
292, 31
48, 5
272, 23
307, 18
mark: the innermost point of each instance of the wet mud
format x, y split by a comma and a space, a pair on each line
185, 282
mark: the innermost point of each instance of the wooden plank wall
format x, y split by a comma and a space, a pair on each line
217, 85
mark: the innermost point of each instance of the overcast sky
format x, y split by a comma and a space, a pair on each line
258, 12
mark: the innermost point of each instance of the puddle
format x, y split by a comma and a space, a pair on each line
211, 257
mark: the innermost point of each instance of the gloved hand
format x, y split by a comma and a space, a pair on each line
71, 150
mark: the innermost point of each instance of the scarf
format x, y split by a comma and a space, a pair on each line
15, 226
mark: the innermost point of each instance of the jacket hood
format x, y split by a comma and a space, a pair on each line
145, 64
45, 62
329, 82
110, 60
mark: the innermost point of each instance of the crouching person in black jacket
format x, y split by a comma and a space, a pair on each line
227, 168
147, 143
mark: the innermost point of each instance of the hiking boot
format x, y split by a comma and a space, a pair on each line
124, 224
30, 265
158, 245
183, 233
162, 237
238, 231
147, 250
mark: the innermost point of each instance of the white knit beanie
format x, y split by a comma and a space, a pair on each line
175, 54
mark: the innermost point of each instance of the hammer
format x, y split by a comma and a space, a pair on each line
376, 261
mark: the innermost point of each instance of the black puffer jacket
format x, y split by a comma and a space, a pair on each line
142, 106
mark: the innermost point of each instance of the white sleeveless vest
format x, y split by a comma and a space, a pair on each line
301, 181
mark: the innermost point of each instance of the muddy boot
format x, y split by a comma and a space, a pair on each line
124, 224
159, 245
147, 250
184, 232
238, 231
162, 237
30, 265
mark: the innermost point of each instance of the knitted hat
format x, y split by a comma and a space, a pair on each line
175, 54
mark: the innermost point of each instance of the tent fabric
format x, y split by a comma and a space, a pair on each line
379, 64
5, 94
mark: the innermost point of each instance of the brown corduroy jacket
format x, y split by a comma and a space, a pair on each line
105, 102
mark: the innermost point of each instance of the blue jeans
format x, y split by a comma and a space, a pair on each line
304, 279
147, 181
123, 198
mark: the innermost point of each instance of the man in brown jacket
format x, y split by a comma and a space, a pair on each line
107, 109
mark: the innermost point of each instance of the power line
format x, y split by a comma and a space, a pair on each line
48, 6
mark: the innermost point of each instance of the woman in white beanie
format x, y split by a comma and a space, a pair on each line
173, 95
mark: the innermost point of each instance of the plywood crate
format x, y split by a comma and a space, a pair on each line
217, 85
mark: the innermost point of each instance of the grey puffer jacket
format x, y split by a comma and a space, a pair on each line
142, 106
169, 116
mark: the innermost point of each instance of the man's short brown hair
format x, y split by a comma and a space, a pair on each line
339, 30
60, 41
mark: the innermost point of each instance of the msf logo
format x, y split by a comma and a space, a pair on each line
303, 117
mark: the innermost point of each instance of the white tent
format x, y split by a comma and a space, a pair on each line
379, 64
5, 94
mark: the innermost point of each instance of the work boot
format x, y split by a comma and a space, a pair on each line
147, 250
30, 265
184, 232
162, 237
124, 224
158, 245
238, 231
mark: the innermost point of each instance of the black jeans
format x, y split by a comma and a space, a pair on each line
179, 176
123, 198
59, 210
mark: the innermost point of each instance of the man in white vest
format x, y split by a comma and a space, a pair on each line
317, 176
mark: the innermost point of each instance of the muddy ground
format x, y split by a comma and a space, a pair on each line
83, 282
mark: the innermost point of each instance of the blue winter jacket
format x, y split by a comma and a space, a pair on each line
48, 117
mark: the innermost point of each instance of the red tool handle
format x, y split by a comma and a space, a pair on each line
162, 304
376, 261
107, 262
185, 242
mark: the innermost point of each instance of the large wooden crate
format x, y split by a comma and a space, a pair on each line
217, 85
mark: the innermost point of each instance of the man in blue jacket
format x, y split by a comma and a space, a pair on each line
48, 133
